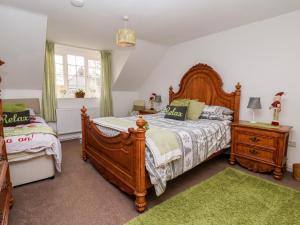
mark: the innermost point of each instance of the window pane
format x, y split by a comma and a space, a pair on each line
80, 71
71, 60
91, 63
98, 72
60, 80
81, 82
92, 71
59, 69
71, 70
79, 60
72, 82
59, 59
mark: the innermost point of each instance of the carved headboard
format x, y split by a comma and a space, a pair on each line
203, 83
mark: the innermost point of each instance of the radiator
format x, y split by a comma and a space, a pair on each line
69, 119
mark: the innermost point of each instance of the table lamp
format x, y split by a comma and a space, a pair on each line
158, 101
254, 103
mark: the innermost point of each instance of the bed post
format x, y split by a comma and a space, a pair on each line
84, 120
140, 189
237, 102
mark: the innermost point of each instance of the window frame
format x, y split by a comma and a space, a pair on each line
87, 54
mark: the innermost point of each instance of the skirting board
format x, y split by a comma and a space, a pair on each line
71, 136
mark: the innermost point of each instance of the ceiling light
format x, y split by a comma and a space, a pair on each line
125, 36
77, 3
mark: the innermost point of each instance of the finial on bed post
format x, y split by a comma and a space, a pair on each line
140, 122
140, 184
83, 110
238, 87
237, 100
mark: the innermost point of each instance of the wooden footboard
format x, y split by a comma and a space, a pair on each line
119, 159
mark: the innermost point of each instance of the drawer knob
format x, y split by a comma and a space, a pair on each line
253, 151
254, 139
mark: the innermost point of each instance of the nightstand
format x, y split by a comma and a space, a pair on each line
147, 111
260, 147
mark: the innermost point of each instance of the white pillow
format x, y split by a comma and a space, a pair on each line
31, 111
216, 113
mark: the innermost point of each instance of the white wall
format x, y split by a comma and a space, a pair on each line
23, 37
123, 102
21, 93
140, 62
263, 57
119, 59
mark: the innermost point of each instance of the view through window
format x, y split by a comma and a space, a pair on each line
77, 69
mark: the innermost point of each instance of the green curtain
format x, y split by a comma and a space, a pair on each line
106, 108
49, 98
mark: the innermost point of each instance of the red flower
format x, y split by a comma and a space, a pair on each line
154, 94
151, 98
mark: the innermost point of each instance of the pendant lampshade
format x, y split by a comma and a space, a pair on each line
125, 36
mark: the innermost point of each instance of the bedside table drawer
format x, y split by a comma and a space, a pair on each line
253, 138
249, 151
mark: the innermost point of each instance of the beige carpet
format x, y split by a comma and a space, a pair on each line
80, 196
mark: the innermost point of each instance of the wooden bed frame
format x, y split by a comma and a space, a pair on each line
121, 159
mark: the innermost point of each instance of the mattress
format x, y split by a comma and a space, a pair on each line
21, 156
29, 167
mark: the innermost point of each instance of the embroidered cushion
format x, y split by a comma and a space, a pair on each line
195, 109
16, 118
175, 112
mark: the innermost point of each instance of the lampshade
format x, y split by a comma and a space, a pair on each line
157, 98
126, 38
254, 103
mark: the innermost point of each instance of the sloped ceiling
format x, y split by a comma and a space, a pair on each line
160, 23
23, 37
166, 22
138, 64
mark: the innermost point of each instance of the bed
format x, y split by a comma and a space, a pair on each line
35, 156
122, 157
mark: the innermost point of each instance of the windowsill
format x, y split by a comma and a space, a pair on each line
76, 98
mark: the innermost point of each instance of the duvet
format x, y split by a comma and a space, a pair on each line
34, 137
197, 141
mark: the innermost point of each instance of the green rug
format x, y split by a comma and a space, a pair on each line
230, 197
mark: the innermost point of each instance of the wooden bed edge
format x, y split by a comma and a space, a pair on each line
135, 146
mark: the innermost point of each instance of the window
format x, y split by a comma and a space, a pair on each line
77, 69
59, 70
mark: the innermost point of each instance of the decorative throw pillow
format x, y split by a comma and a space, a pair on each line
16, 118
16, 107
213, 109
216, 113
180, 102
195, 109
216, 117
175, 112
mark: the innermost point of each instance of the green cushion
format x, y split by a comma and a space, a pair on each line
195, 109
180, 102
16, 107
